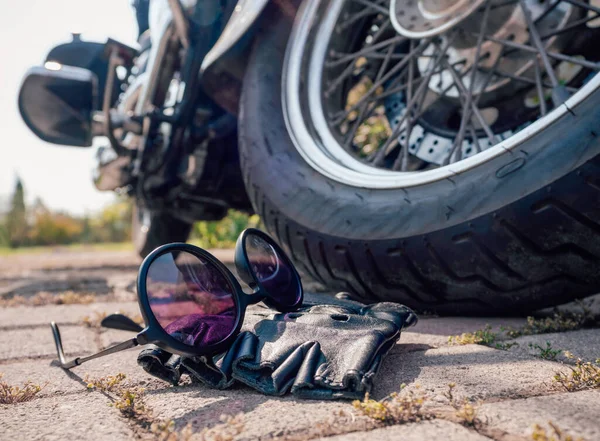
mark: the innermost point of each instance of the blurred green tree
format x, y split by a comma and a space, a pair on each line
16, 219
51, 228
223, 233
113, 223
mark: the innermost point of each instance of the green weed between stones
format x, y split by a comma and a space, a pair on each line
396, 408
585, 375
15, 394
165, 431
410, 406
227, 430
559, 322
130, 402
553, 434
105, 384
48, 298
547, 353
127, 399
465, 409
94, 320
505, 346
484, 336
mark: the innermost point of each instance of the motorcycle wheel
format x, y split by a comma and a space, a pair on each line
477, 227
153, 229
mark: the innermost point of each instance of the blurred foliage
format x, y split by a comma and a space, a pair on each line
16, 220
223, 233
26, 227
37, 225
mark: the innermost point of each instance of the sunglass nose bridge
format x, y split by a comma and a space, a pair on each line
255, 297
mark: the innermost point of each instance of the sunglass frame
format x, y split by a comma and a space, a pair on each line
154, 333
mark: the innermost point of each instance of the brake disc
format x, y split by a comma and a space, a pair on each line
431, 136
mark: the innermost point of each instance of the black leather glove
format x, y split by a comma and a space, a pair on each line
330, 348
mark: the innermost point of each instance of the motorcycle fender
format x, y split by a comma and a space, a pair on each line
222, 69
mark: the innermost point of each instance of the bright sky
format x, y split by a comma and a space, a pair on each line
61, 176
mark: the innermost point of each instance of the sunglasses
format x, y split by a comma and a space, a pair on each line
193, 305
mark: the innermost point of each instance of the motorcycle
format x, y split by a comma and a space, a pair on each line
439, 153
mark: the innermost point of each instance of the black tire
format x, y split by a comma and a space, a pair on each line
158, 229
514, 234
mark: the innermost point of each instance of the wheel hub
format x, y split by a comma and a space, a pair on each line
505, 23
426, 18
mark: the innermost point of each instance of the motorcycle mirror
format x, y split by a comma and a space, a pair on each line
92, 56
57, 102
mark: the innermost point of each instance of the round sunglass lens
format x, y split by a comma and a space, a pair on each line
273, 271
191, 298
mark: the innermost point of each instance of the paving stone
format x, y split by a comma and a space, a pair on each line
576, 413
584, 344
110, 337
61, 314
478, 371
425, 430
60, 418
37, 342
263, 415
68, 259
60, 382
436, 330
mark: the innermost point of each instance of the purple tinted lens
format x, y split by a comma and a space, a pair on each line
272, 271
191, 299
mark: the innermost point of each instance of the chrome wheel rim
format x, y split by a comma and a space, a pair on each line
309, 119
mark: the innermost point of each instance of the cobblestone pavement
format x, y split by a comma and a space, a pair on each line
508, 384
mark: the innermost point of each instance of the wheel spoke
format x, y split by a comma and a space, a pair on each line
504, 74
466, 116
344, 58
559, 94
547, 11
585, 63
572, 26
464, 93
393, 71
374, 6
340, 79
540, 88
381, 153
402, 163
583, 5
354, 18
361, 117
504, 3
463, 98
475, 138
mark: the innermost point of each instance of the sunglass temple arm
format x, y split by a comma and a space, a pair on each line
79, 360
